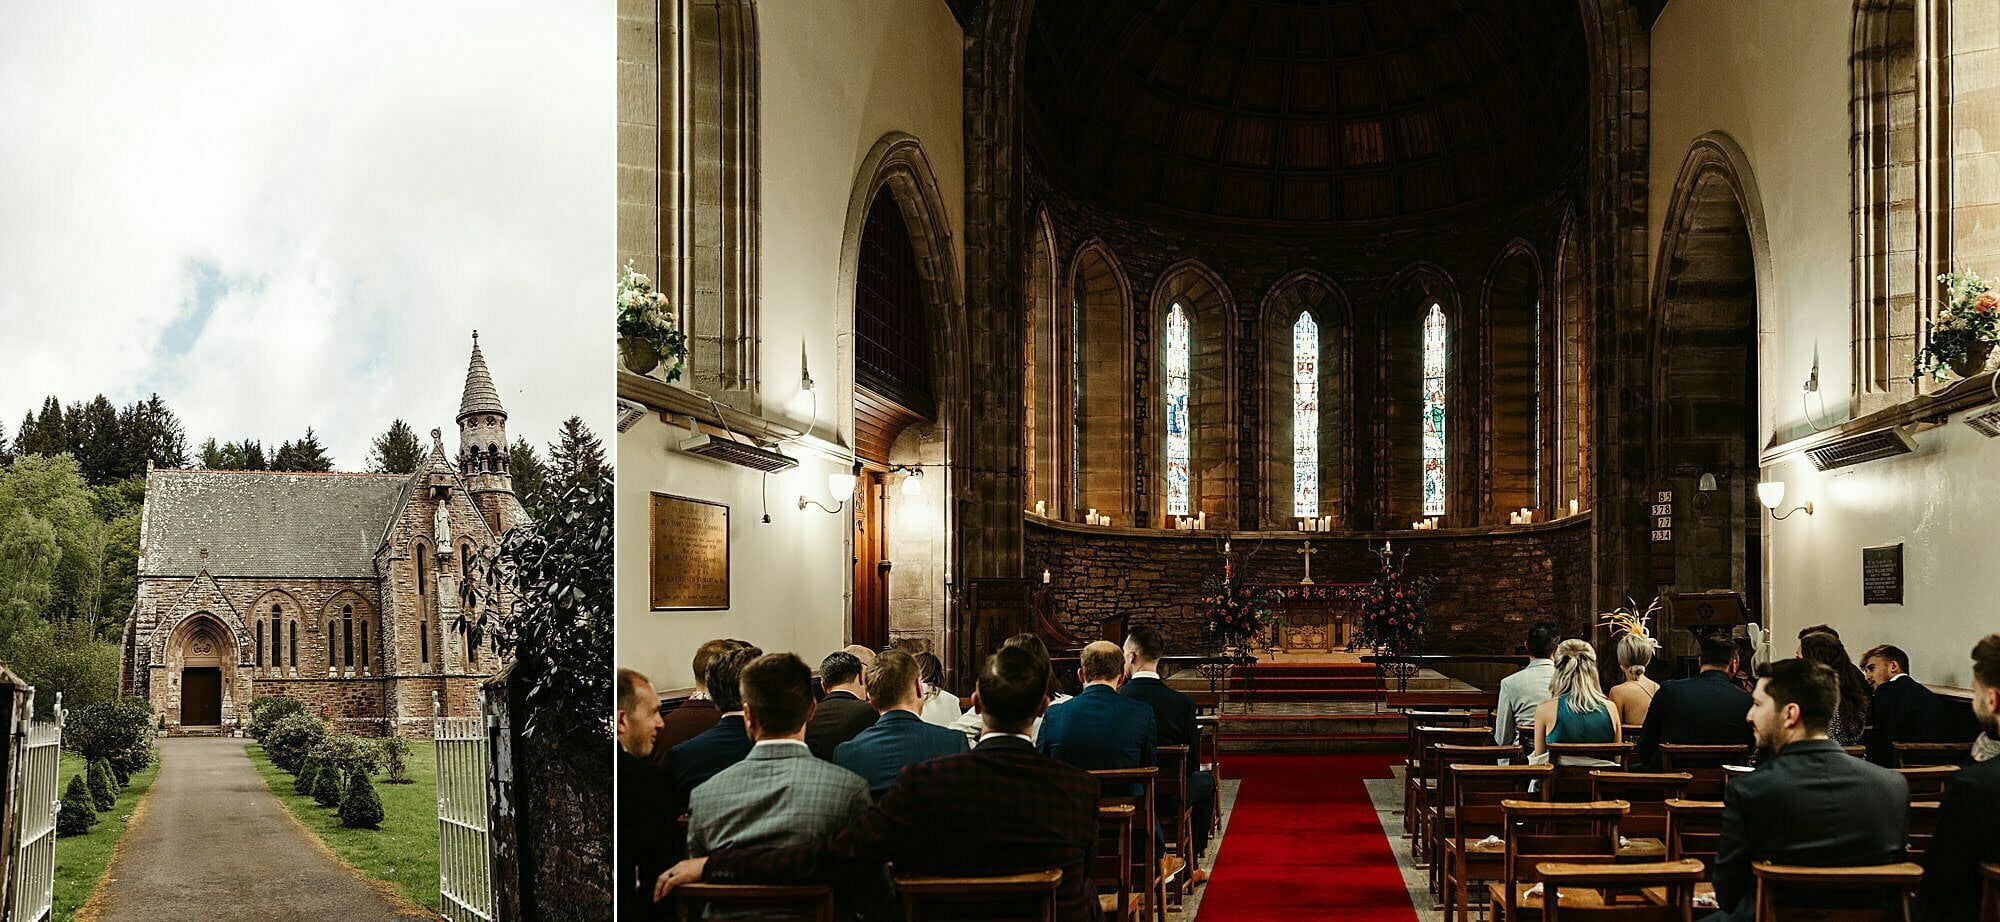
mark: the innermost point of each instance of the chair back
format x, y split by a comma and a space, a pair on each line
803, 902
1927, 781
1859, 752
1030, 896
1575, 761
1654, 892
1730, 774
1796, 892
1117, 784
1704, 763
1477, 791
1989, 891
1647, 792
1911, 755
1111, 860
1694, 829
1429, 738
1535, 831
1922, 826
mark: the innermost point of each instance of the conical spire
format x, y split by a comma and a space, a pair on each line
480, 394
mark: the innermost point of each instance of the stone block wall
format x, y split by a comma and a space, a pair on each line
1491, 583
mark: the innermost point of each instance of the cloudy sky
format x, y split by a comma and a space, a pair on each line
287, 214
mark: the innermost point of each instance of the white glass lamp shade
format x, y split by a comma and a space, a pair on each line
841, 485
1771, 492
911, 485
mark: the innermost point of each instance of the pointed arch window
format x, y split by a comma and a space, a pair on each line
1434, 411
1305, 417
295, 644
1177, 412
277, 635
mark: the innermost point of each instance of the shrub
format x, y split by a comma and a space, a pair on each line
109, 728
326, 786
119, 774
129, 762
78, 814
308, 773
348, 754
362, 809
103, 790
292, 738
267, 710
395, 749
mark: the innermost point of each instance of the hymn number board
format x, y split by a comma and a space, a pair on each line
1661, 520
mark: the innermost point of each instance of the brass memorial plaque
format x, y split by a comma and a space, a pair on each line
690, 554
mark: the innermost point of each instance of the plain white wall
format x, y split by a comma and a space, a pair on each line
835, 76
1774, 76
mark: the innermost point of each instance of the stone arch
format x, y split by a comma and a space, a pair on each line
271, 651
1301, 292
1510, 386
1211, 314
1570, 360
1398, 430
203, 673
1102, 414
353, 638
1713, 271
1041, 341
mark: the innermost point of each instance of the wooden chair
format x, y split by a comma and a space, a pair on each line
1208, 749
1704, 763
1653, 892
1447, 718
1927, 781
1525, 735
1435, 822
814, 902
1732, 772
1912, 755
1922, 826
1111, 863
1176, 828
1477, 791
1779, 888
1648, 792
1030, 896
1146, 853
1989, 892
1583, 833
1694, 829
1420, 773
1859, 752
1575, 761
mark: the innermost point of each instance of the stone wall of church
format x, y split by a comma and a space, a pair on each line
1491, 583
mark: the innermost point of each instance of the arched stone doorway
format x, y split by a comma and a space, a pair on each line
203, 666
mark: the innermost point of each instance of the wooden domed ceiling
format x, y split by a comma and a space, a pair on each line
1293, 112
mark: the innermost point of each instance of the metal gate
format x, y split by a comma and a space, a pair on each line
33, 868
465, 850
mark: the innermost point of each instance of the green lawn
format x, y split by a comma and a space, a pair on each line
404, 851
80, 860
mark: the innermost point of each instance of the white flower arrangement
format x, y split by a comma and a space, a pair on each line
644, 315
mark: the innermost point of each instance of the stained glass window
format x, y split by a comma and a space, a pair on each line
1305, 417
1177, 411
1434, 356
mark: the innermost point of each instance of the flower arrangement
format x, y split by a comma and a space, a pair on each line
647, 333
1964, 330
1234, 611
1393, 609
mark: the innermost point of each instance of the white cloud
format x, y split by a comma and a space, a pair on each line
367, 181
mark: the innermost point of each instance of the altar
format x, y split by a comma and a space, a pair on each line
1315, 617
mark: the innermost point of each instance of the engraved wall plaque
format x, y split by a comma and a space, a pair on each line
689, 544
1882, 575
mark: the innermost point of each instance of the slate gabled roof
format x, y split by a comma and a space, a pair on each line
261, 523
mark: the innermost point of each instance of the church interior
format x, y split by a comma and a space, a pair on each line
1358, 356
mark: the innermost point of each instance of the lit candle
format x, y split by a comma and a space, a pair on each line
1572, 507
1225, 547
1201, 519
1041, 507
1386, 545
1045, 576
1092, 517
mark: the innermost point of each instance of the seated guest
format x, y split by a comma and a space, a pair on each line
644, 816
845, 712
1006, 808
972, 724
779, 794
1969, 813
1100, 728
1903, 710
722, 745
940, 707
698, 712
1818, 629
1704, 710
1577, 712
1173, 718
1809, 803
899, 737
1850, 717
1634, 696
1525, 690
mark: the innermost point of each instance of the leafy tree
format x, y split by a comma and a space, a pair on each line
396, 451
347, 754
293, 738
64, 657
103, 789
327, 784
395, 752
108, 730
363, 808
72, 584
306, 454
78, 812
267, 710
577, 455
530, 475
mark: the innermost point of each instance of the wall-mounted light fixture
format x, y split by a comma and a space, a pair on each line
1772, 493
840, 486
913, 484
1706, 484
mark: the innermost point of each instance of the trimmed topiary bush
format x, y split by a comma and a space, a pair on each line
103, 789
308, 773
292, 738
267, 710
119, 774
326, 786
78, 814
362, 809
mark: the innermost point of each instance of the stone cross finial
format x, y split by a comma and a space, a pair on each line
1307, 552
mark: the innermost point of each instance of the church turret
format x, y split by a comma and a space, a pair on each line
482, 444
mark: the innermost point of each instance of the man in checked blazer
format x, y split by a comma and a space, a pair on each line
1007, 809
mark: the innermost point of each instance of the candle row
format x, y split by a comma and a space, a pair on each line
1524, 517
1322, 523
1092, 518
1196, 522
1424, 524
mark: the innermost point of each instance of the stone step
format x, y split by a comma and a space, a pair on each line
1261, 682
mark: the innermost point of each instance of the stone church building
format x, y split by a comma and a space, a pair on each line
340, 589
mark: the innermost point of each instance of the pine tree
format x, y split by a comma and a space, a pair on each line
306, 454
363, 808
47, 434
103, 788
98, 443
247, 455
530, 474
308, 773
396, 451
73, 428
152, 433
326, 787
577, 455
78, 812
6, 454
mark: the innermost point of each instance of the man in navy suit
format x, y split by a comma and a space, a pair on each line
1705, 710
718, 747
1904, 710
1100, 728
1173, 717
899, 737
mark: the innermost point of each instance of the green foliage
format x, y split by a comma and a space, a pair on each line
78, 812
577, 456
1393, 609
119, 774
530, 475
348, 754
558, 572
266, 710
103, 787
111, 730
396, 451
247, 455
395, 757
66, 658
363, 808
645, 314
291, 739
308, 774
306, 454
327, 786
47, 434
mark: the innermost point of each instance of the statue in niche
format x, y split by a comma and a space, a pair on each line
441, 524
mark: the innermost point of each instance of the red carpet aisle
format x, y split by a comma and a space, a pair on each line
1304, 842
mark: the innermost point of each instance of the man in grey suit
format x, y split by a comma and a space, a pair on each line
779, 795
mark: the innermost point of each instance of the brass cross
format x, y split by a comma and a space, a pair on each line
1307, 552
